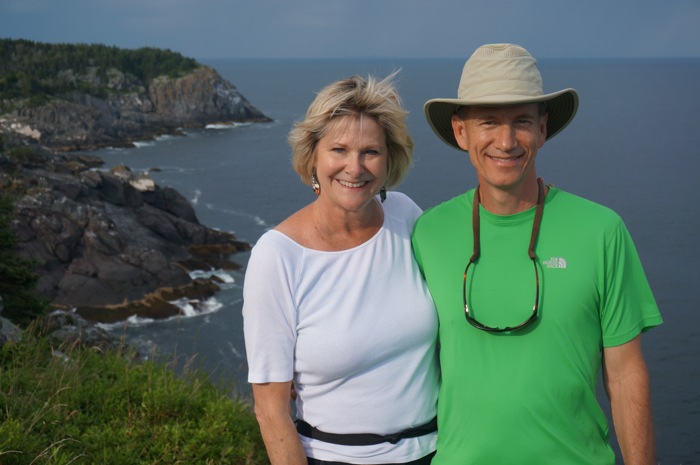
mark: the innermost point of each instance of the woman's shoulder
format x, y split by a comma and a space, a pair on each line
273, 245
295, 226
401, 205
285, 239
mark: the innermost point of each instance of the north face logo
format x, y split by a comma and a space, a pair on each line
554, 262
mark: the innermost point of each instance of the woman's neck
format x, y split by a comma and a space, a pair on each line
343, 230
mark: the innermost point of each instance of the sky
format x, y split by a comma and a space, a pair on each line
211, 29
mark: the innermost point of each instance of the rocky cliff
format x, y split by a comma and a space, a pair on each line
109, 243
125, 109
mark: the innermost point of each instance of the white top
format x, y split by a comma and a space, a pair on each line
355, 329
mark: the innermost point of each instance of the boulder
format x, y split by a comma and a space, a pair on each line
68, 330
8, 331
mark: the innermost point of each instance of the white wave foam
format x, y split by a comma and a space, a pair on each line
112, 150
226, 280
226, 125
255, 218
197, 194
132, 321
234, 351
193, 307
144, 143
189, 308
186, 306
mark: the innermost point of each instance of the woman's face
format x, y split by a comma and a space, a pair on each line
351, 163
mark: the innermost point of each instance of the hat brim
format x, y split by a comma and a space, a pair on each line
561, 108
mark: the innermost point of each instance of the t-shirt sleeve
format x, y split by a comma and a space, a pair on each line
402, 206
628, 306
269, 315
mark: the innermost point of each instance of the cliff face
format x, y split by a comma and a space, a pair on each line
109, 243
128, 111
199, 98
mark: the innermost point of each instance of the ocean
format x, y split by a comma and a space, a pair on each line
631, 147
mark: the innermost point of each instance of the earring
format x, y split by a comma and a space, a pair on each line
315, 185
382, 194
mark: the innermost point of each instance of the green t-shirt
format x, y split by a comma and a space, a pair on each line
529, 396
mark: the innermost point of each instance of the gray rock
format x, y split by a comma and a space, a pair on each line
68, 329
82, 122
8, 331
100, 243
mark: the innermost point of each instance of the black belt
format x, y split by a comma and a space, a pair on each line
364, 439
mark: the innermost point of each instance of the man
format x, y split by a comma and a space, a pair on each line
536, 289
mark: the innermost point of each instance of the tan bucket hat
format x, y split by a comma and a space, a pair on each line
501, 74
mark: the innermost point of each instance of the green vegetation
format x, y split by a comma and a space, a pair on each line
33, 70
17, 282
64, 405
78, 406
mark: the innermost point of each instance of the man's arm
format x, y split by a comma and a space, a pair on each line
276, 425
627, 383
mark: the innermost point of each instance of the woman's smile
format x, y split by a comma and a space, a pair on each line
351, 164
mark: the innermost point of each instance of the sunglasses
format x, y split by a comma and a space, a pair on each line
530, 251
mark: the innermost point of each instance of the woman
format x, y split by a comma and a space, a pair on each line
334, 305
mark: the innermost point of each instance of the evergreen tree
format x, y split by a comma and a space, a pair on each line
17, 282
29, 68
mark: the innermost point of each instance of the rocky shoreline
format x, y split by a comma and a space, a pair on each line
109, 244
131, 111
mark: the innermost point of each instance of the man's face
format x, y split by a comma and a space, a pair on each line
502, 142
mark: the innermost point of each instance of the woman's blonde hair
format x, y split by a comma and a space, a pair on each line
355, 96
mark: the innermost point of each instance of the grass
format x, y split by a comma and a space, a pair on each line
80, 406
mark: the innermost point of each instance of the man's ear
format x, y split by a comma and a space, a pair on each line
459, 131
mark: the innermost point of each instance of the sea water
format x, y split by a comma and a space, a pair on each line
633, 147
